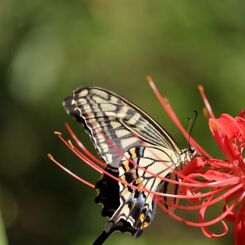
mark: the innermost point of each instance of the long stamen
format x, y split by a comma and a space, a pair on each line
100, 170
191, 207
83, 148
195, 183
205, 100
87, 183
173, 168
206, 204
79, 154
184, 178
167, 107
213, 201
121, 153
218, 183
203, 224
198, 184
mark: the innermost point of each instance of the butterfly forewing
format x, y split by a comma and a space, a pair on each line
110, 118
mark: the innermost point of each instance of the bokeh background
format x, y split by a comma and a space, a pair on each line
50, 47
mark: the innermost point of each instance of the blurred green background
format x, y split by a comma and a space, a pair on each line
50, 47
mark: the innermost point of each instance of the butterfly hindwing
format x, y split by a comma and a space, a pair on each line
136, 208
139, 167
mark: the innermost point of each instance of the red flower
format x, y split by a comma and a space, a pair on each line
225, 179
204, 181
229, 133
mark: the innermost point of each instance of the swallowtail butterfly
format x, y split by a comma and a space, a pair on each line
142, 140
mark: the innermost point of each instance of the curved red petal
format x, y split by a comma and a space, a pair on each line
214, 175
194, 165
229, 134
224, 126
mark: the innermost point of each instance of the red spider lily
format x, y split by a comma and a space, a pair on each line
229, 134
204, 182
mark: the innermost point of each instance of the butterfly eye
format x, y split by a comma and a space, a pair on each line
192, 150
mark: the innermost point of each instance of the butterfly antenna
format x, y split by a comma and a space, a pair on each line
190, 127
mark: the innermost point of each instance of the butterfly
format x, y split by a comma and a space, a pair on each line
106, 116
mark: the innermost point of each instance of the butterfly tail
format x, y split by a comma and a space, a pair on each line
103, 236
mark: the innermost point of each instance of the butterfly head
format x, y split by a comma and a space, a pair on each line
192, 151
189, 153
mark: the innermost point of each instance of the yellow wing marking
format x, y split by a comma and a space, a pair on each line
144, 225
142, 217
137, 181
126, 165
123, 178
133, 152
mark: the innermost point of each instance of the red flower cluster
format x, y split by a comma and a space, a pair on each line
229, 134
207, 180
204, 181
